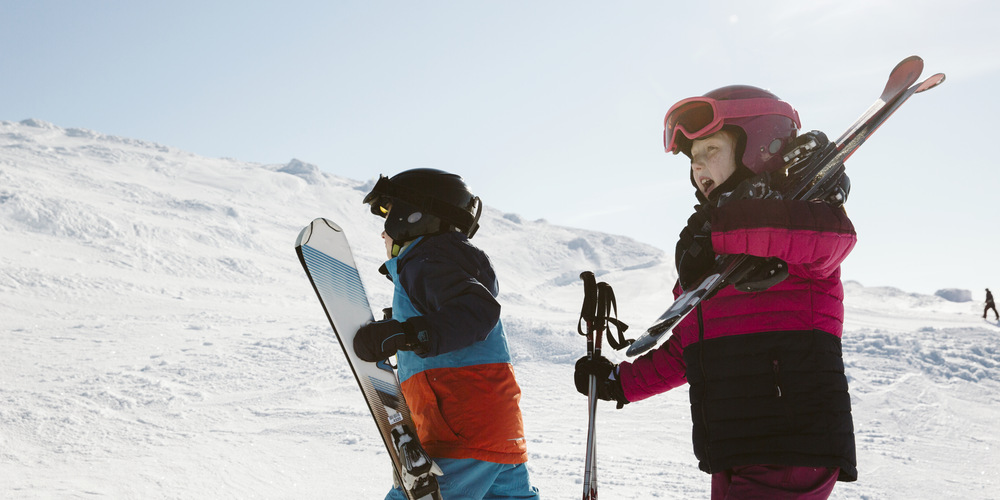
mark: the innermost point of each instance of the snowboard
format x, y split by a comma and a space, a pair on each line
327, 259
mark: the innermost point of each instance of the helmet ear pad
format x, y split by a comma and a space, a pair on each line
770, 138
406, 222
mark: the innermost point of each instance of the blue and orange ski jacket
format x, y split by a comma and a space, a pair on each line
461, 392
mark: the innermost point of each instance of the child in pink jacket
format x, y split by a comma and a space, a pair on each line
769, 398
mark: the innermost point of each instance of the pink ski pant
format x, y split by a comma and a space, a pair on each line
769, 482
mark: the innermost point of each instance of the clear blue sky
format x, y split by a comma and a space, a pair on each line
550, 109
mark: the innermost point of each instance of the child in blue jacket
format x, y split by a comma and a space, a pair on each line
450, 346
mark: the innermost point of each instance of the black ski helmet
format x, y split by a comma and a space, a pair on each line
424, 201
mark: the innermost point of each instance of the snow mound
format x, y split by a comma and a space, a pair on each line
954, 295
35, 123
306, 171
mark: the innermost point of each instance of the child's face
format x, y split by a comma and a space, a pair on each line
388, 244
386, 208
713, 160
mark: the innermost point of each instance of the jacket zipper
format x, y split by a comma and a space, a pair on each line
776, 368
704, 378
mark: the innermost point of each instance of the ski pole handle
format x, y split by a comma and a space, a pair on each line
589, 313
604, 298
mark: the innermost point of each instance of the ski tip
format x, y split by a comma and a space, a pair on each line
902, 76
931, 82
304, 235
329, 223
307, 231
910, 65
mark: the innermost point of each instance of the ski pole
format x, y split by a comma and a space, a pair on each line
586, 326
600, 311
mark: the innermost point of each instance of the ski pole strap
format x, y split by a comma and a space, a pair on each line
601, 318
588, 315
608, 309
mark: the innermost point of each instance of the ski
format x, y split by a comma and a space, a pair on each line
815, 171
327, 259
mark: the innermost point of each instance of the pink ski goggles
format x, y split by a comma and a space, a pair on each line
697, 117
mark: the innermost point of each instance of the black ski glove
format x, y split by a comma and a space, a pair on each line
381, 339
694, 255
609, 387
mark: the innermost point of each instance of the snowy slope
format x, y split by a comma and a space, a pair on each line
159, 340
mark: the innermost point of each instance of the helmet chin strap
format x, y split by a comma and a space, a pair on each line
475, 221
397, 248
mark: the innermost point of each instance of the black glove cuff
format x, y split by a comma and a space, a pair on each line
416, 336
616, 391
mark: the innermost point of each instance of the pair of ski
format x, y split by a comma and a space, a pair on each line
599, 315
326, 256
812, 173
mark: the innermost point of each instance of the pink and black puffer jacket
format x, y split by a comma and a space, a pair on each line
765, 370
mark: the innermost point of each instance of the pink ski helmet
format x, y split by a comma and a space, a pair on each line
768, 124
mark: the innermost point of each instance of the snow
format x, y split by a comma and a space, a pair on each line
159, 340
954, 294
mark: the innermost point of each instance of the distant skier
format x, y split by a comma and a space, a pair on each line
769, 399
446, 334
990, 305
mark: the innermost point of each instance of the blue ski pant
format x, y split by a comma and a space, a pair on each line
471, 479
